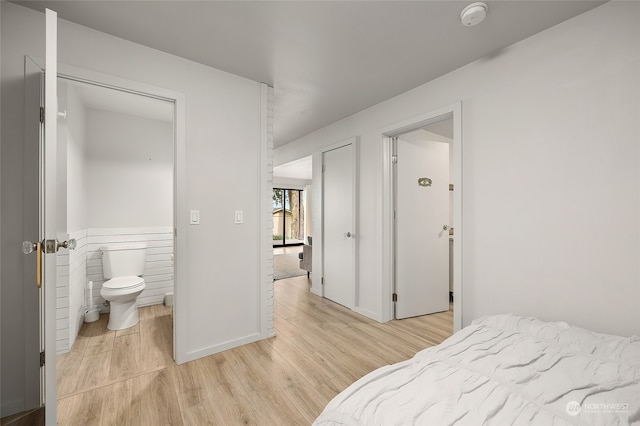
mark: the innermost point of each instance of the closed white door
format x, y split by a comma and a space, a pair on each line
422, 214
338, 225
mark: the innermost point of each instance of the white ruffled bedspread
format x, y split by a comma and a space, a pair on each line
502, 370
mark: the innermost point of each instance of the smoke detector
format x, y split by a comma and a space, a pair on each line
473, 14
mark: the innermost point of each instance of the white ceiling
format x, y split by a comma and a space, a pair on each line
298, 169
325, 59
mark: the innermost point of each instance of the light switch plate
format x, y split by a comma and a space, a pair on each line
194, 217
239, 216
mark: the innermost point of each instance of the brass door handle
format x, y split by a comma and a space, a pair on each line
39, 265
29, 247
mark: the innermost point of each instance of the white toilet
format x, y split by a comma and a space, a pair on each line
123, 266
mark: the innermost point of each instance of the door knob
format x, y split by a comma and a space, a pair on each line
69, 244
52, 246
29, 247
348, 235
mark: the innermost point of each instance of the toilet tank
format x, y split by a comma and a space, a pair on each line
121, 260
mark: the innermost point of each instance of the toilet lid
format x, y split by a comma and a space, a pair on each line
123, 282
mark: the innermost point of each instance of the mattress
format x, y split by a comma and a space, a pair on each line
502, 370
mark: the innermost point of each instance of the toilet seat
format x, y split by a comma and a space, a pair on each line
123, 283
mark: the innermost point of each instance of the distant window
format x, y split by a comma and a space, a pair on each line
288, 216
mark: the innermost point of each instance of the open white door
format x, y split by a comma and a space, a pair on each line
46, 246
48, 213
338, 225
422, 222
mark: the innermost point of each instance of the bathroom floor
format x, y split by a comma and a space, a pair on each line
101, 357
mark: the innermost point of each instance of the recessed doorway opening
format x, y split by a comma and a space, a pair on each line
422, 263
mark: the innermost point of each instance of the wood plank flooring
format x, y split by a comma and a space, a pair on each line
128, 377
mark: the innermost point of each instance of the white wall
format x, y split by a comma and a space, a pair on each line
76, 121
551, 185
71, 266
76, 214
129, 171
225, 142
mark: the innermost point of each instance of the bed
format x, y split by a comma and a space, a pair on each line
502, 370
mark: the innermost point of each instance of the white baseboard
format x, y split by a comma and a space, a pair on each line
193, 355
366, 313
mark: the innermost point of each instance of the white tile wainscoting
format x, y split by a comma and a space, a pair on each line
84, 264
70, 284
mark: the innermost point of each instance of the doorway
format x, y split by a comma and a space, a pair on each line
116, 185
442, 126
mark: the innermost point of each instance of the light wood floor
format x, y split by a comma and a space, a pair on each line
128, 378
287, 250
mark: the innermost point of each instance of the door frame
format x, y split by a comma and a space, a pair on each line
317, 286
180, 211
453, 111
180, 216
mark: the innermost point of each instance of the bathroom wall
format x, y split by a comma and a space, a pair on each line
129, 170
76, 161
70, 287
71, 265
76, 208
62, 272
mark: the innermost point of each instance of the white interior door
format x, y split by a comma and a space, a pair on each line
338, 225
422, 211
46, 246
48, 231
